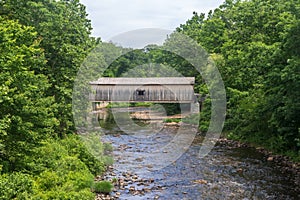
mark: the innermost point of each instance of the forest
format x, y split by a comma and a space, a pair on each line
254, 43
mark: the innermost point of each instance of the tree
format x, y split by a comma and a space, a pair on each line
26, 114
256, 47
283, 92
64, 33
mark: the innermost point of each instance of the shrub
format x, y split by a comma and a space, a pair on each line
107, 147
102, 187
16, 186
88, 149
114, 180
108, 160
58, 169
169, 120
65, 195
59, 175
52, 174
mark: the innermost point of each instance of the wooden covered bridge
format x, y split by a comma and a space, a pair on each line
156, 90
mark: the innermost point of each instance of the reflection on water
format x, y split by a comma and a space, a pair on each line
104, 119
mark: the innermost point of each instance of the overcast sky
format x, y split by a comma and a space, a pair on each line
113, 17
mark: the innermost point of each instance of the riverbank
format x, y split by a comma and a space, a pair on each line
282, 163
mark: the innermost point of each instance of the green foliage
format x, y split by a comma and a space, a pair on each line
64, 34
108, 160
42, 44
283, 93
54, 174
141, 104
168, 120
59, 172
102, 187
114, 180
107, 147
66, 195
93, 159
26, 114
16, 186
205, 115
255, 45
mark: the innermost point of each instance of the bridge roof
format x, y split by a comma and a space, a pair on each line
145, 81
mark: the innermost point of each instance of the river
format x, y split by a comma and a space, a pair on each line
227, 172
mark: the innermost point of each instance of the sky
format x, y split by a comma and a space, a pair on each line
113, 17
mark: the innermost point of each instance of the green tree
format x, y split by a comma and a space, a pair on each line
64, 32
283, 92
256, 47
26, 114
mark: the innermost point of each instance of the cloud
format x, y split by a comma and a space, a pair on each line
112, 17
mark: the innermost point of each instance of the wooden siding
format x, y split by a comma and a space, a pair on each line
160, 90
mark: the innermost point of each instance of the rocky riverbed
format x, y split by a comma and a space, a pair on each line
232, 170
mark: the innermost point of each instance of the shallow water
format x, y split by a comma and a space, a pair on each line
225, 173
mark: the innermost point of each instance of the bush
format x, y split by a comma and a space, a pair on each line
102, 187
59, 169
107, 148
65, 195
88, 149
108, 160
16, 186
59, 175
52, 173
169, 120
205, 116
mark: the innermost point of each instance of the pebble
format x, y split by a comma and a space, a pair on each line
200, 181
135, 177
128, 182
146, 190
270, 158
122, 182
283, 163
131, 188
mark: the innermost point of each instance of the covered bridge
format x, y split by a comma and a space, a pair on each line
156, 90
